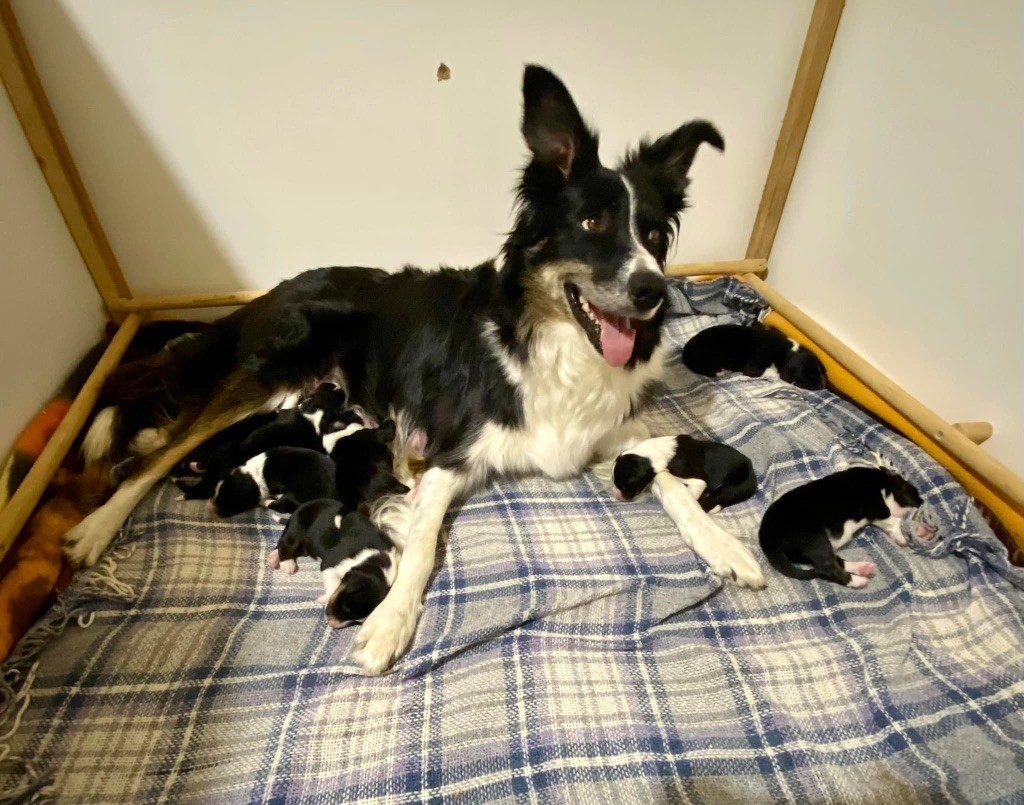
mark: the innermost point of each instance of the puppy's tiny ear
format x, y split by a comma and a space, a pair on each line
552, 125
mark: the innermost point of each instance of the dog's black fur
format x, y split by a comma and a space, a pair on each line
807, 524
729, 475
751, 350
291, 475
321, 529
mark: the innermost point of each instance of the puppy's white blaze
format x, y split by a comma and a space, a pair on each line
100, 436
337, 521
343, 567
895, 509
315, 419
659, 450
796, 345
254, 469
331, 439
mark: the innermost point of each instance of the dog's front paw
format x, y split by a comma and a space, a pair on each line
730, 559
384, 636
85, 543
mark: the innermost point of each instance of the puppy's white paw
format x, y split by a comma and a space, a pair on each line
85, 543
729, 558
290, 566
384, 636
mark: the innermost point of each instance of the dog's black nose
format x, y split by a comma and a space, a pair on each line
646, 289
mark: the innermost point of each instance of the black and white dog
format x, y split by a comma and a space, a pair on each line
536, 363
727, 475
802, 530
752, 350
357, 561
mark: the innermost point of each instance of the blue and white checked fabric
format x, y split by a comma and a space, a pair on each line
571, 648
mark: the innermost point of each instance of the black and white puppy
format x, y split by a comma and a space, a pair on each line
803, 529
752, 350
281, 479
302, 426
363, 460
727, 474
357, 561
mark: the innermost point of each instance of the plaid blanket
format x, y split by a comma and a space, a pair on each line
571, 648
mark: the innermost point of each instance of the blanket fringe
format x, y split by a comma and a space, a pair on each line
20, 778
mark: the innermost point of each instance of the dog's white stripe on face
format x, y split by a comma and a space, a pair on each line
254, 469
659, 450
640, 259
331, 439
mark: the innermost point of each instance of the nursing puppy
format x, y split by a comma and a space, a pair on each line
281, 479
727, 473
752, 350
364, 462
357, 561
303, 426
537, 362
803, 529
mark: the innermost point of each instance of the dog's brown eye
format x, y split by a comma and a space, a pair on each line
595, 223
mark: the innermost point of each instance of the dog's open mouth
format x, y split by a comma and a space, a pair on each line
611, 335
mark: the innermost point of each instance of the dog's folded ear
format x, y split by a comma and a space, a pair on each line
552, 125
670, 157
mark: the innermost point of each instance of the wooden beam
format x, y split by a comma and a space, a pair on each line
44, 136
997, 475
809, 72
21, 505
186, 301
977, 432
720, 268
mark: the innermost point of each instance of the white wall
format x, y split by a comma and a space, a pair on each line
50, 313
904, 229
230, 144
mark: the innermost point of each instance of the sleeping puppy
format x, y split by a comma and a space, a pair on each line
302, 426
728, 474
364, 461
282, 479
357, 561
802, 530
752, 350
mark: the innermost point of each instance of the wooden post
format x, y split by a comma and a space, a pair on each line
809, 72
44, 136
21, 505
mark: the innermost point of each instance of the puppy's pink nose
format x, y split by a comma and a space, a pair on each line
617, 494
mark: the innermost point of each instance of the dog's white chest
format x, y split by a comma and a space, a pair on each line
571, 401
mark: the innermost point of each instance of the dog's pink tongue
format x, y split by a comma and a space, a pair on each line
617, 338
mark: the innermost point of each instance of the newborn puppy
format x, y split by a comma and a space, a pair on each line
301, 426
803, 529
357, 561
281, 479
752, 350
728, 474
364, 462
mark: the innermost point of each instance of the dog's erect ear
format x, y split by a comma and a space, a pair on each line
670, 157
552, 125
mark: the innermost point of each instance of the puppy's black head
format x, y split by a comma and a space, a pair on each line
803, 369
632, 475
902, 491
324, 405
362, 589
237, 493
590, 243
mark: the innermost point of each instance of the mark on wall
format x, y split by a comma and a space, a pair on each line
443, 72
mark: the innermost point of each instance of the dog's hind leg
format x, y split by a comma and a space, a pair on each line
239, 396
388, 630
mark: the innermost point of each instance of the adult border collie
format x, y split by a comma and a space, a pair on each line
534, 363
